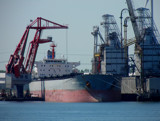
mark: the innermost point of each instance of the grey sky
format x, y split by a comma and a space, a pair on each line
80, 15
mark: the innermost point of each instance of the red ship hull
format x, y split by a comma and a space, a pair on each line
78, 96
76, 89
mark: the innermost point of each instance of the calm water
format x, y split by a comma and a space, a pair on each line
44, 111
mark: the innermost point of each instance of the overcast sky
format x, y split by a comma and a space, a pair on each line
79, 15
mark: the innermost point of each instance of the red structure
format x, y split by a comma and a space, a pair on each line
17, 64
53, 51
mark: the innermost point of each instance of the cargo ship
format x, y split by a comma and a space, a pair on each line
79, 88
57, 80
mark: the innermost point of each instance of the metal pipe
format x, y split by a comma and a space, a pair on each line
121, 17
125, 43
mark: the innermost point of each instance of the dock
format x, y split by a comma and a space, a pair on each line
21, 99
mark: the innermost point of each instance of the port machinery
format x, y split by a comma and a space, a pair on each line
147, 49
19, 68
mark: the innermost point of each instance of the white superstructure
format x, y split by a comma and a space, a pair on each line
53, 67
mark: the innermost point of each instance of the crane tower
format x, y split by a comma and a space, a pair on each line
19, 68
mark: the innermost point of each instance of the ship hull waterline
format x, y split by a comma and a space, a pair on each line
76, 89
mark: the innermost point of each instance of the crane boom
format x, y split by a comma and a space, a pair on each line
15, 64
18, 71
133, 20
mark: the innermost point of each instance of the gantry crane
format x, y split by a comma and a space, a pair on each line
138, 52
146, 44
96, 65
19, 69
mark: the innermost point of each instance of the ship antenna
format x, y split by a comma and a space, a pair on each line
67, 44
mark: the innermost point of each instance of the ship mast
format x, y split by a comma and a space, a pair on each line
53, 50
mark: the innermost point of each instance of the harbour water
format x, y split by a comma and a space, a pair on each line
48, 111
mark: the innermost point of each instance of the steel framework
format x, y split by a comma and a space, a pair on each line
16, 64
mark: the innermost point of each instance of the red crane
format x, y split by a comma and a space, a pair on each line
18, 69
16, 63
